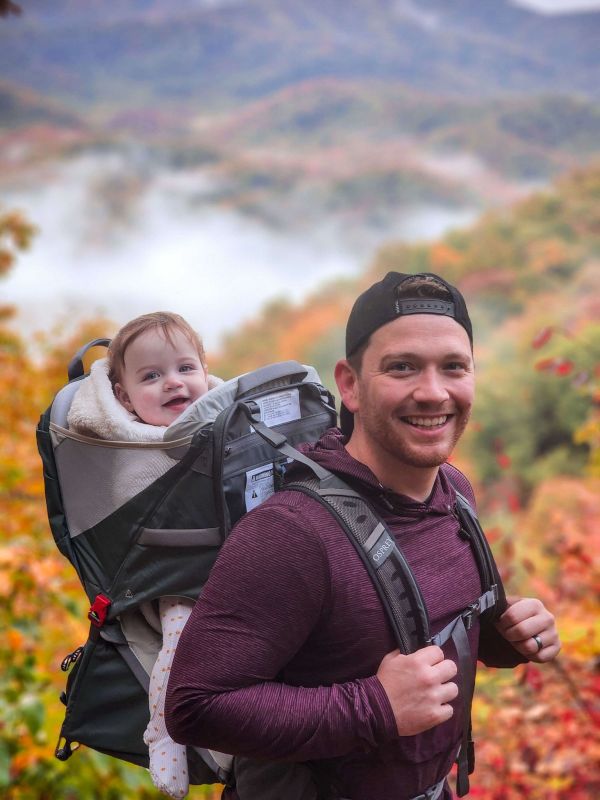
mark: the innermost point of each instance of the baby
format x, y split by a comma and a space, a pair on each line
156, 367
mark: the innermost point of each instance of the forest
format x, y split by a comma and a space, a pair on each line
531, 275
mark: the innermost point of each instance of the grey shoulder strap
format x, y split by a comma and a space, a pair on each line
389, 570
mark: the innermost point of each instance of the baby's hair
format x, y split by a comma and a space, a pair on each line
158, 320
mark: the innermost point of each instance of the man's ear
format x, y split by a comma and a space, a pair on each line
347, 384
123, 398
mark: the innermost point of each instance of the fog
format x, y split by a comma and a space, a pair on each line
118, 239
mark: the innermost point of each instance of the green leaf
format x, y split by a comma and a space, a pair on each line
33, 713
4, 765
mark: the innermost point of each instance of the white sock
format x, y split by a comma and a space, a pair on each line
168, 760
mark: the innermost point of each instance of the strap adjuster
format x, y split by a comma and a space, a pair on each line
470, 614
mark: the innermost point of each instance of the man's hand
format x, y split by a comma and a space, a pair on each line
530, 628
419, 689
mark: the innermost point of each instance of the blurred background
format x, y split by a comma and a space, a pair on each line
253, 165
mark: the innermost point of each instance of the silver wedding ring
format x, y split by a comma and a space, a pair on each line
539, 642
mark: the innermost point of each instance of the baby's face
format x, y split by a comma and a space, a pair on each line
161, 379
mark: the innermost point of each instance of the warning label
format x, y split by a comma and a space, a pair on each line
279, 407
259, 485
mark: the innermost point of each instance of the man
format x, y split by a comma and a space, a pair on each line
288, 655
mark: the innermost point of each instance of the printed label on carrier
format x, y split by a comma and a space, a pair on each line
279, 407
259, 485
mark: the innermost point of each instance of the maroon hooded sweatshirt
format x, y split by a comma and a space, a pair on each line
279, 657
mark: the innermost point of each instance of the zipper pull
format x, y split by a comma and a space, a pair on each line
464, 534
71, 659
462, 531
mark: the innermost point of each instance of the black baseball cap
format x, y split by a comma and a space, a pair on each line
381, 303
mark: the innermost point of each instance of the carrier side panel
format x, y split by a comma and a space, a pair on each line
54, 501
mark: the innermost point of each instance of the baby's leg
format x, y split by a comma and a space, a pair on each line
168, 761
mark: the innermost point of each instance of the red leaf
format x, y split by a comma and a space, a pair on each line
533, 678
503, 461
514, 503
493, 534
564, 367
542, 337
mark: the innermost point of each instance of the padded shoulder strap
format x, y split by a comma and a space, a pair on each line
391, 575
484, 558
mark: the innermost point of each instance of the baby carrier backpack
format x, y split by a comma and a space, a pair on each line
143, 520
160, 534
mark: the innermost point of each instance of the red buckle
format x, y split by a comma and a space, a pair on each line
99, 610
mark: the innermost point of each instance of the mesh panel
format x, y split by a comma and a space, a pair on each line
96, 480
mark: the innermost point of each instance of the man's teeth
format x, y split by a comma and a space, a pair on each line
427, 422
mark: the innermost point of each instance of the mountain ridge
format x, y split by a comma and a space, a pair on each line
481, 49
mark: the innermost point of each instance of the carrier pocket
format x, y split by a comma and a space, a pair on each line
107, 708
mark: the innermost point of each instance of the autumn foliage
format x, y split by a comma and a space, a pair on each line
532, 280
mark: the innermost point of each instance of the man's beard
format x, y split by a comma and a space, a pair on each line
390, 438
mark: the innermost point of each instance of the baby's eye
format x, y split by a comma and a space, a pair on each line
149, 376
186, 368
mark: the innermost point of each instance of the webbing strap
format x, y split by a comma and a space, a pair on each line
278, 441
457, 631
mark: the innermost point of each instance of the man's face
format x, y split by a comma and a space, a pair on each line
414, 394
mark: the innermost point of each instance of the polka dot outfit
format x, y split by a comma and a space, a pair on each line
168, 760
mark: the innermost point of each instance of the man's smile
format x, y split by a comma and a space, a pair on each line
427, 422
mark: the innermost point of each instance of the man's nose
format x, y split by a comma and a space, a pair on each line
431, 387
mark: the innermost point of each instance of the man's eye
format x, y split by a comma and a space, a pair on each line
400, 366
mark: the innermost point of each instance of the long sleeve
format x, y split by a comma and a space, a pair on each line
495, 651
229, 689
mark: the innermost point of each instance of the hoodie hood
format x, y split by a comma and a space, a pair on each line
330, 452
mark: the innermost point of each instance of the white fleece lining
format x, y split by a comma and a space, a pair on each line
96, 412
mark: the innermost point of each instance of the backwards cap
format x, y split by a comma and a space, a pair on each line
381, 304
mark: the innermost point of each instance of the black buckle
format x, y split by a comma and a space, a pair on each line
251, 409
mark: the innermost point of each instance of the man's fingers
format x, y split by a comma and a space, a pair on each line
524, 618
432, 654
540, 647
448, 692
445, 670
419, 687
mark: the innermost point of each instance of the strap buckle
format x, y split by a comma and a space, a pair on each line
99, 610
